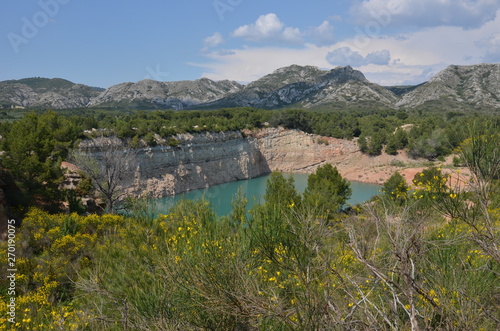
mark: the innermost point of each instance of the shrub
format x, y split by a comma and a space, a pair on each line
172, 142
150, 140
327, 191
396, 188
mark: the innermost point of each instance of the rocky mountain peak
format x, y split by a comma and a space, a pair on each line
469, 86
45, 93
456, 87
345, 74
148, 93
286, 75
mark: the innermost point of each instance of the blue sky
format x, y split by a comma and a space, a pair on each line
102, 43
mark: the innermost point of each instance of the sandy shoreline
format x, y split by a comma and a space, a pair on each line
378, 169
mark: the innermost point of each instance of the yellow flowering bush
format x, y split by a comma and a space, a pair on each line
50, 251
282, 266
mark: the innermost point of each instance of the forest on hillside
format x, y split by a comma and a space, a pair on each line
425, 257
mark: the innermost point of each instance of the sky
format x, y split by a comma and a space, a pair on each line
103, 43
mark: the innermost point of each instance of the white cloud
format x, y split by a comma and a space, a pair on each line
491, 47
248, 64
213, 41
323, 34
419, 55
401, 74
268, 28
426, 13
346, 56
219, 52
379, 57
292, 35
407, 58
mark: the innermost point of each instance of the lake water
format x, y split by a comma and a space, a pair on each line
221, 195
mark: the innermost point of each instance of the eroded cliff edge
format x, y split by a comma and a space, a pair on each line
204, 159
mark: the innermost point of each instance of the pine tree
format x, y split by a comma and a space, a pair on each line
326, 190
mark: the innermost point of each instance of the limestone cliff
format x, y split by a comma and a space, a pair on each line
299, 152
205, 159
200, 160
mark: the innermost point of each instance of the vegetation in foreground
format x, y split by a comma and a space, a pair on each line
427, 259
411, 259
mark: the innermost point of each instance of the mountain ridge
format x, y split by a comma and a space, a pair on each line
456, 87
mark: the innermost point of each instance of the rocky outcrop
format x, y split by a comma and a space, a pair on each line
457, 87
299, 152
206, 159
199, 161
308, 87
45, 93
174, 95
71, 176
466, 86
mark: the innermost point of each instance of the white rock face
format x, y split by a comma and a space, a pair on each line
64, 94
475, 85
176, 95
200, 161
206, 159
466, 87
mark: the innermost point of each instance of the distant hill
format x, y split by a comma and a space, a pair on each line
402, 89
308, 87
173, 95
46, 93
455, 88
462, 87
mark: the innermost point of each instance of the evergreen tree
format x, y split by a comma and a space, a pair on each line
401, 138
363, 145
376, 144
280, 192
326, 190
35, 147
392, 146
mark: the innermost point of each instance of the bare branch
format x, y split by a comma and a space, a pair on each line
108, 162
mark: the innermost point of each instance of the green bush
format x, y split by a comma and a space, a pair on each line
396, 188
172, 142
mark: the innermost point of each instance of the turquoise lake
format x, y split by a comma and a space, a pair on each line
220, 196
